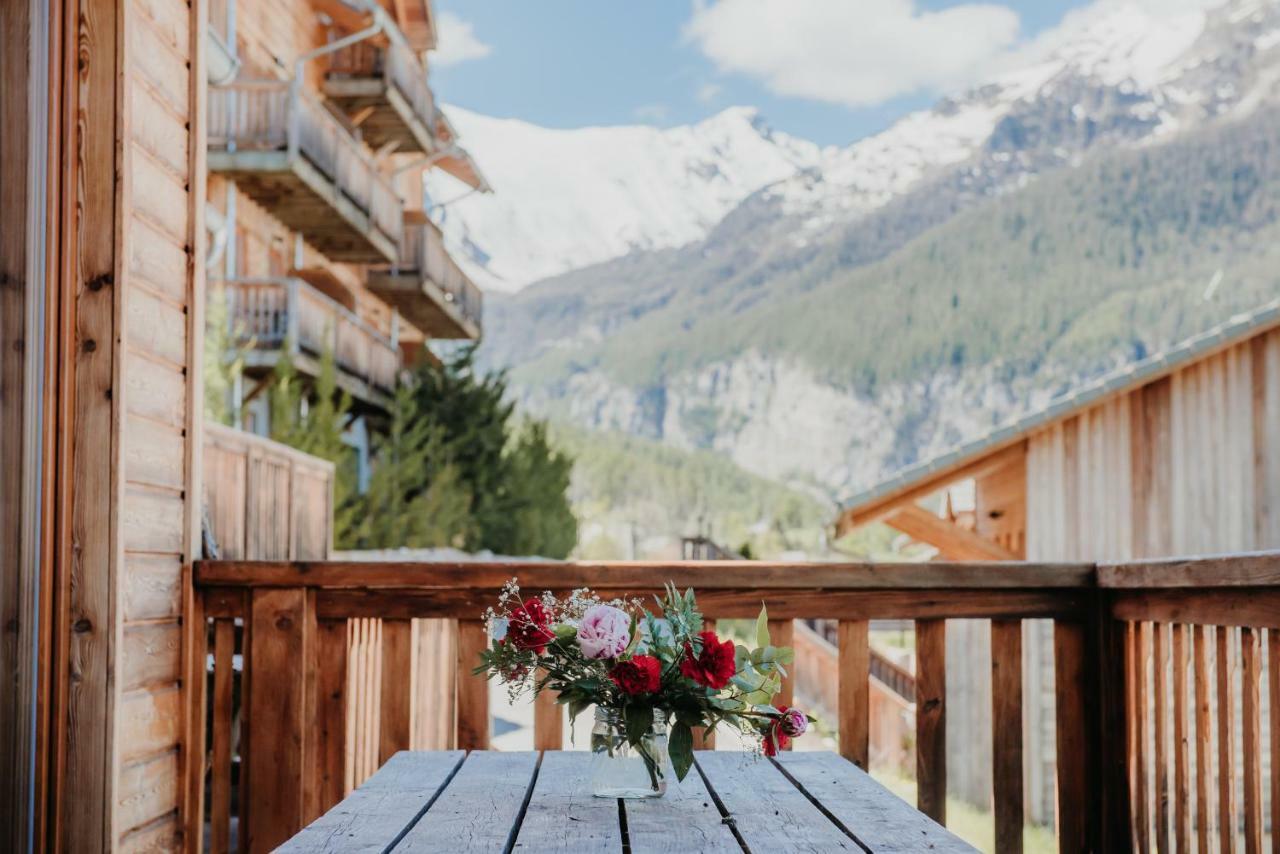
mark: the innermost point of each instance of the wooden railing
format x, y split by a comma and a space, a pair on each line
295, 625
422, 249
396, 65
268, 312
280, 115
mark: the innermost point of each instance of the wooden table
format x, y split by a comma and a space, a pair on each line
488, 801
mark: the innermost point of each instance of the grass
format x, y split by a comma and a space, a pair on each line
973, 825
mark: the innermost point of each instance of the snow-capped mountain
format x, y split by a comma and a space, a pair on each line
1111, 73
570, 198
998, 247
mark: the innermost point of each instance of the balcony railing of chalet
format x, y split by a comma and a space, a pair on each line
1145, 673
280, 116
267, 313
454, 305
366, 76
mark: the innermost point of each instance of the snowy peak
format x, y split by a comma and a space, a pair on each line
566, 199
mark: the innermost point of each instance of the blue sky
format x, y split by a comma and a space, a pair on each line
858, 65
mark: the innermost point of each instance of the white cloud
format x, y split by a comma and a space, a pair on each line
456, 41
855, 53
707, 92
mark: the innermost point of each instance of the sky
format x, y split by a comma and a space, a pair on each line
831, 71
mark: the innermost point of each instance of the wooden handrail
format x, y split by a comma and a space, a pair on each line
329, 646
422, 249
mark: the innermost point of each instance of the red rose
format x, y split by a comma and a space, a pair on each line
639, 675
530, 627
774, 740
714, 666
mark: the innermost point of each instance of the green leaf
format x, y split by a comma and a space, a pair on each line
639, 721
762, 627
680, 749
786, 655
577, 707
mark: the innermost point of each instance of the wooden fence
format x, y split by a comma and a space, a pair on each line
1128, 770
265, 500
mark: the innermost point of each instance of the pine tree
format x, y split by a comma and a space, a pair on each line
223, 358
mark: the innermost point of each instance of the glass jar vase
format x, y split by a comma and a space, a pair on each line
619, 770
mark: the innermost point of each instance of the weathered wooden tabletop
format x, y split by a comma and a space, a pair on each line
486, 801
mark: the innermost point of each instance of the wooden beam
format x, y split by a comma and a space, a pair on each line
964, 469
952, 541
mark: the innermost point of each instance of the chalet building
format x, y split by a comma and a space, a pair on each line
1178, 454
321, 122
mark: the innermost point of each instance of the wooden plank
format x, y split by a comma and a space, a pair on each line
151, 720
1109, 814
1141, 816
1251, 711
474, 727
150, 654
809, 603
395, 723
1227, 817
1203, 738
854, 691
1181, 761
954, 542
548, 722
562, 814
1006, 732
1159, 705
224, 639
1070, 660
742, 785
377, 814
685, 819
481, 807
331, 711
931, 718
281, 639
783, 633
1273, 693
645, 575
1226, 606
874, 816
1231, 570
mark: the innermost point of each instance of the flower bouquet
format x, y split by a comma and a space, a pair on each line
648, 673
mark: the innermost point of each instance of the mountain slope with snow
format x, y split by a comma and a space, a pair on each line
565, 199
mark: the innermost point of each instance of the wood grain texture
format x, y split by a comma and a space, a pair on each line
931, 718
1227, 606
1227, 816
480, 808
953, 541
397, 689
1273, 695
1251, 738
282, 637
876, 818
1181, 743
685, 819
1203, 638
641, 575
742, 783
854, 689
1070, 658
474, 726
562, 815
378, 813
1228, 570
1160, 731
224, 639
1140, 747
331, 712
1006, 732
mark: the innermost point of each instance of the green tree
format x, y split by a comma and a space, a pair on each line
223, 358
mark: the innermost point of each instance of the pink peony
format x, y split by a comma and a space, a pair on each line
604, 632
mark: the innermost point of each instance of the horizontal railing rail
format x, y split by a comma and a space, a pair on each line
267, 312
282, 115
422, 250
335, 656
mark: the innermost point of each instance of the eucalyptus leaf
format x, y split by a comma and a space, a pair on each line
762, 627
680, 749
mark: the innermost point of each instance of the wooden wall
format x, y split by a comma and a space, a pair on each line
130, 219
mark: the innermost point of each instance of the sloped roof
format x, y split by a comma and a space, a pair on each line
1236, 329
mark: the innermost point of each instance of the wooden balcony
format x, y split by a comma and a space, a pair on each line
291, 155
429, 288
268, 315
384, 91
337, 657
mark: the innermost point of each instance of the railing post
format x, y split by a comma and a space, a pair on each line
281, 712
331, 713
291, 308
931, 718
396, 711
854, 691
473, 691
